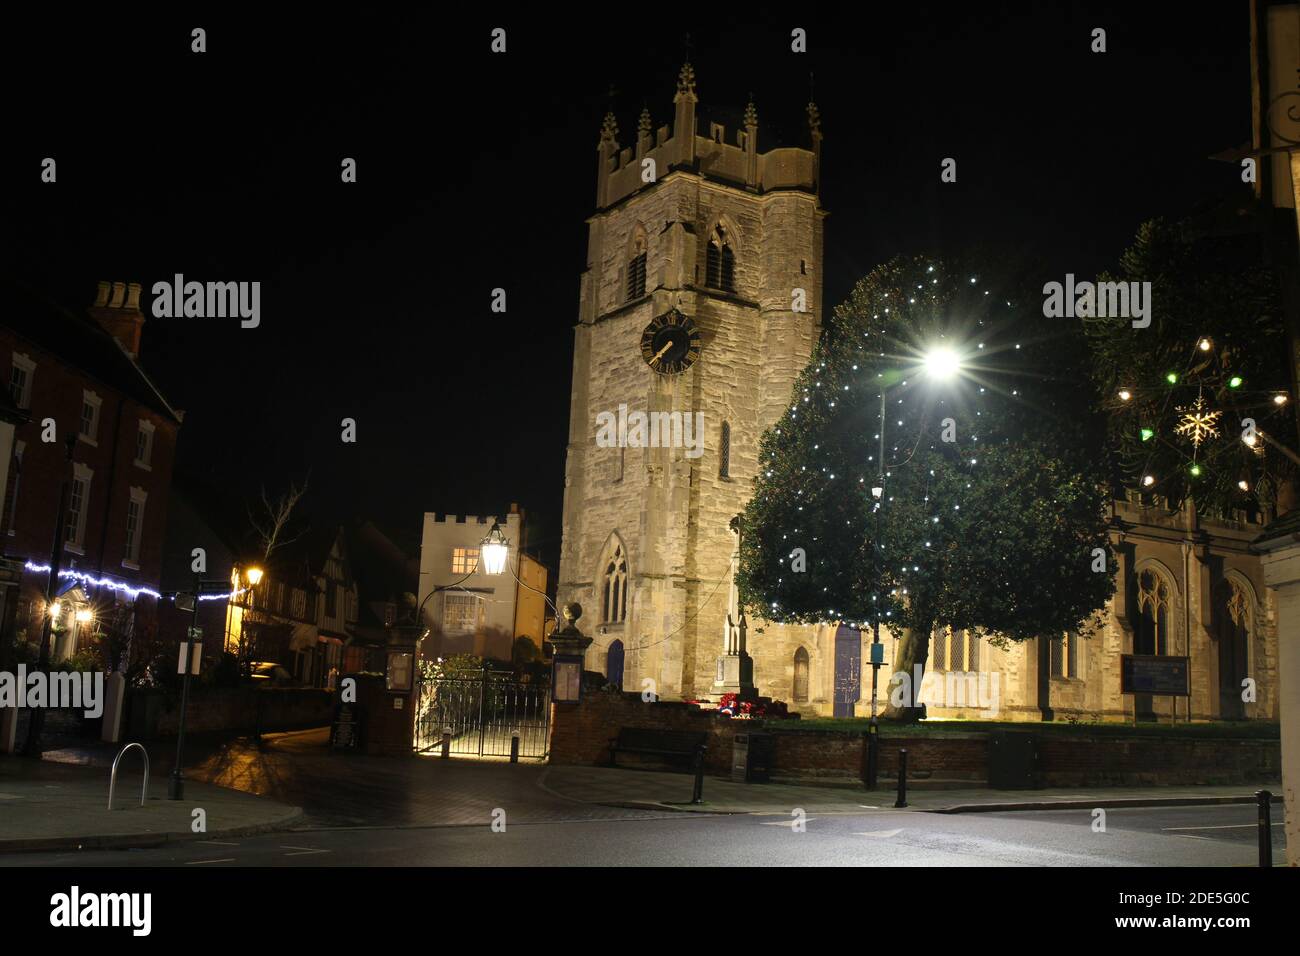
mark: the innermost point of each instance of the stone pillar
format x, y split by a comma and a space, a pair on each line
735, 666
1281, 563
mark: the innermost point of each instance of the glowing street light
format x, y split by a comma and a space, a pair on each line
85, 615
942, 363
254, 576
494, 551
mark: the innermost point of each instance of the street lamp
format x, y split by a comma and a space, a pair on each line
494, 550
942, 364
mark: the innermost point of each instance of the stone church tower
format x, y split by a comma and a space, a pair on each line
701, 299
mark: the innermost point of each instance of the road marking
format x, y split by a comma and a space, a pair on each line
230, 859
865, 806
1226, 826
217, 842
787, 823
302, 850
883, 834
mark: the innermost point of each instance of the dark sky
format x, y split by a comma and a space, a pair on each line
477, 171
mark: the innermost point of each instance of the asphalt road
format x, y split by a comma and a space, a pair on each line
1222, 835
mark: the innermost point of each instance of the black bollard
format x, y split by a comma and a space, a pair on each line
697, 796
1264, 799
514, 747
902, 780
446, 744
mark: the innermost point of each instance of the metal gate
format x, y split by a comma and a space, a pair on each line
482, 716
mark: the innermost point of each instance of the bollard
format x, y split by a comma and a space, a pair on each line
1264, 799
446, 744
873, 753
514, 747
697, 796
902, 780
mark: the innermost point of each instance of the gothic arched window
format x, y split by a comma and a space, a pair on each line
724, 451
614, 588
1152, 635
636, 269
800, 675
720, 261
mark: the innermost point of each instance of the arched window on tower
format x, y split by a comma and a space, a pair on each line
614, 588
720, 262
800, 675
636, 270
724, 451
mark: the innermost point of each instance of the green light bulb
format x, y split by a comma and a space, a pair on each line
1147, 434
1171, 378
1234, 382
1196, 471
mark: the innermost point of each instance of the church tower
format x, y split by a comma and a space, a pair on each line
699, 306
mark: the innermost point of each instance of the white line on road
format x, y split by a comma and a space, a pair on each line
217, 842
787, 823
302, 850
229, 859
1226, 826
883, 834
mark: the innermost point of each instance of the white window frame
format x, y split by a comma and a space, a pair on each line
80, 475
133, 536
146, 431
92, 401
24, 362
470, 610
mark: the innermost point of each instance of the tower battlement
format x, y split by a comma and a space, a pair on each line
619, 171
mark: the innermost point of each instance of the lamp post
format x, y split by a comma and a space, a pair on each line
940, 364
32, 746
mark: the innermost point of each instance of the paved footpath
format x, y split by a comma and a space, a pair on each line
46, 805
672, 791
246, 787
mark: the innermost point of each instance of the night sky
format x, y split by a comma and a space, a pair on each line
477, 171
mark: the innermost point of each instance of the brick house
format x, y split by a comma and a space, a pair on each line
77, 373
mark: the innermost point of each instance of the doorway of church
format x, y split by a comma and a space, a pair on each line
614, 664
848, 670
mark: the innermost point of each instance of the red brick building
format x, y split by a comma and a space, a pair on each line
76, 373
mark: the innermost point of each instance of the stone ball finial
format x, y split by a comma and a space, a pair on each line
572, 612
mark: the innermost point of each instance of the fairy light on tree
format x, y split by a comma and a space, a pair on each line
982, 492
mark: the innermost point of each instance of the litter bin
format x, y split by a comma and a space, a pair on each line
751, 758
1011, 761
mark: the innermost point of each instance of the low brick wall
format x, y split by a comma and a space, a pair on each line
235, 708
580, 735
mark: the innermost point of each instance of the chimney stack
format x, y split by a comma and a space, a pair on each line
117, 310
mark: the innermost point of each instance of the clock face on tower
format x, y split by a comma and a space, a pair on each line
671, 343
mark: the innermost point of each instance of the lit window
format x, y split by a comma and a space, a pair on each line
464, 560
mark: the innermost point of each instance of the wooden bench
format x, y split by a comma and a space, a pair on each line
658, 743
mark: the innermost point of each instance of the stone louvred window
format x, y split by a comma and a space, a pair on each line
724, 451
636, 277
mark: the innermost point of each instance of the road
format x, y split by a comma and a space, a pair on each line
1222, 835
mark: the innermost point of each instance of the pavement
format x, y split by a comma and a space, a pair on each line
46, 806
654, 790
293, 782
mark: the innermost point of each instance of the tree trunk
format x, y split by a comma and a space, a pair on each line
913, 652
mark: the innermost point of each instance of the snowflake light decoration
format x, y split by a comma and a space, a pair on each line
1197, 422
